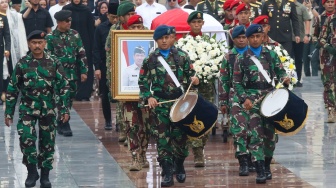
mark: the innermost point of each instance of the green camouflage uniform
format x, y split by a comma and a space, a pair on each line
226, 93
249, 83
137, 127
37, 80
108, 47
171, 140
69, 50
327, 41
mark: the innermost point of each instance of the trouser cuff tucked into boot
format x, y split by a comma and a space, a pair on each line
45, 183
32, 175
268, 172
260, 168
167, 168
179, 170
243, 165
198, 156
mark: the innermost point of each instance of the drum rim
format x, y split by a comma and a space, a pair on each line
266, 97
175, 103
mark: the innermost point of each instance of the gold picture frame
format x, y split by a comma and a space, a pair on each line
127, 52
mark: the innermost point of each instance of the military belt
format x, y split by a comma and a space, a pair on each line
258, 85
167, 95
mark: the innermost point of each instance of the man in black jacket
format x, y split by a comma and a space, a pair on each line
99, 60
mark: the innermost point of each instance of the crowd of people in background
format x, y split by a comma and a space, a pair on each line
78, 33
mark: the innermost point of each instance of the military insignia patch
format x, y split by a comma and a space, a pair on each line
286, 123
140, 19
198, 15
265, 20
42, 34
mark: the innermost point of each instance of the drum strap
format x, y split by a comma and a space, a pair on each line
170, 72
262, 70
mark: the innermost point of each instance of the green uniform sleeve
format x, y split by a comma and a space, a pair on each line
238, 75
144, 82
81, 57
13, 90
63, 89
225, 83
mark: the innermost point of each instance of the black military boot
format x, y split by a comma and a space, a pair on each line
260, 168
32, 175
268, 172
45, 183
108, 125
243, 165
60, 127
250, 164
167, 180
179, 170
66, 129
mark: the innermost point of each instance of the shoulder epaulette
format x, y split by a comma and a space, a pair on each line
3, 14
201, 2
258, 3
292, 1
254, 5
223, 1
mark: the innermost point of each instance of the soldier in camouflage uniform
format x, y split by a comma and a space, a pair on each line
66, 44
171, 140
137, 122
195, 21
228, 21
250, 85
327, 42
227, 96
37, 76
125, 10
255, 8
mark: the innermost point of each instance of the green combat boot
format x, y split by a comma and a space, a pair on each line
198, 156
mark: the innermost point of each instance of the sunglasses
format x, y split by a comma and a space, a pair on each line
171, 0
68, 20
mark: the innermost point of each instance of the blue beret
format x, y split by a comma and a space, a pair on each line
254, 28
238, 30
173, 30
161, 31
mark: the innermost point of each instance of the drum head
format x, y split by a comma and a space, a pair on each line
274, 102
182, 108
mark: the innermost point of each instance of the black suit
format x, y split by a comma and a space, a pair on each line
5, 44
99, 62
280, 22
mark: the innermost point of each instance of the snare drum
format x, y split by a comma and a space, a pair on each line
194, 114
286, 111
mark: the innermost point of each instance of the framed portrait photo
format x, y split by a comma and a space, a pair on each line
129, 49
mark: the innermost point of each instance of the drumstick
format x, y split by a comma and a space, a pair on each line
163, 102
188, 88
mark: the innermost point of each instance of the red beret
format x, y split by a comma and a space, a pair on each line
242, 7
235, 3
323, 1
263, 19
135, 19
227, 4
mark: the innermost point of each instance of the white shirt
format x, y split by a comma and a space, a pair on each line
52, 12
131, 76
149, 12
